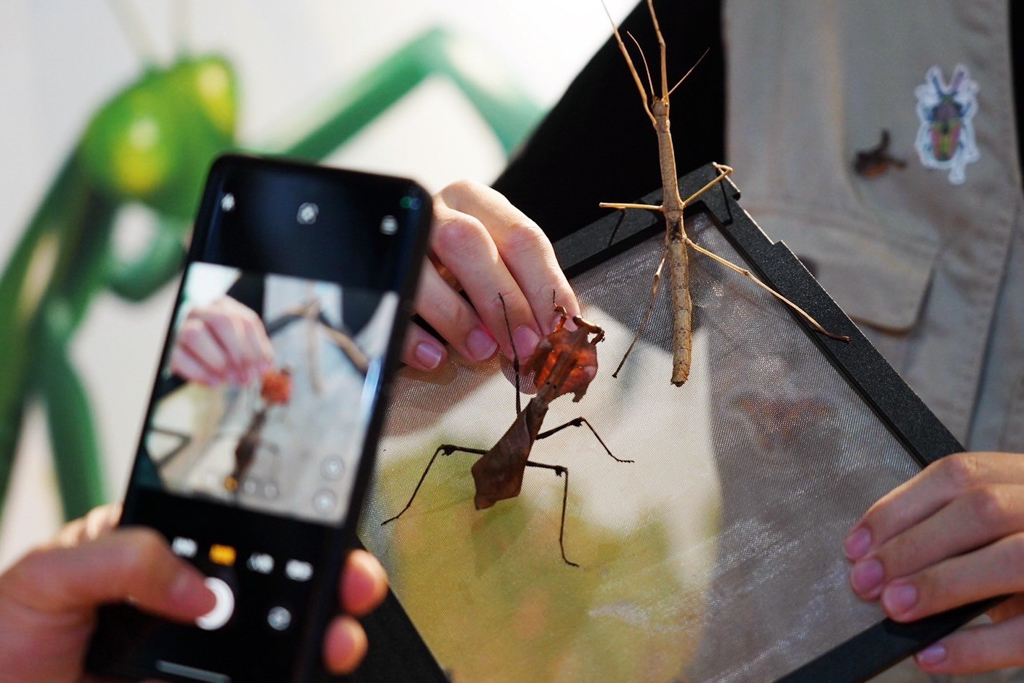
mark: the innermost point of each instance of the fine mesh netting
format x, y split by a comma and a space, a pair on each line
715, 556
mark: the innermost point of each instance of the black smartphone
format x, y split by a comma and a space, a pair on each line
254, 466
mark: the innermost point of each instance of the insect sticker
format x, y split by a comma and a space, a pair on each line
945, 139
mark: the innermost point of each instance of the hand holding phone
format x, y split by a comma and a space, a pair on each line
254, 460
47, 597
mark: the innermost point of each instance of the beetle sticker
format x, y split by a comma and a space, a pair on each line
945, 139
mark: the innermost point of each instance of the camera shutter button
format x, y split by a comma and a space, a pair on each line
222, 611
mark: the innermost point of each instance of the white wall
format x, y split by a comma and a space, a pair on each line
61, 59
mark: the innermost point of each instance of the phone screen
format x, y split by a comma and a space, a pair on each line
260, 434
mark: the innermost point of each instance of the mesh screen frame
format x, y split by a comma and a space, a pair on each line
398, 652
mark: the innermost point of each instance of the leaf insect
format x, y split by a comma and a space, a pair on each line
565, 362
673, 206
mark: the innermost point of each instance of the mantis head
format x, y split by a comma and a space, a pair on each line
155, 139
567, 359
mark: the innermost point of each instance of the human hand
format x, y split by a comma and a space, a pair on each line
48, 600
482, 244
224, 341
952, 535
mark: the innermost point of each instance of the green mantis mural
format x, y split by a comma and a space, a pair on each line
152, 142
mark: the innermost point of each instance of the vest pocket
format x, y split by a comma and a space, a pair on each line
878, 276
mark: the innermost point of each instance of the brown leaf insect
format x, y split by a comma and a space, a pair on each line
565, 362
672, 207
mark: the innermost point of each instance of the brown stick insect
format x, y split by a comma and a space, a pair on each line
565, 362
673, 206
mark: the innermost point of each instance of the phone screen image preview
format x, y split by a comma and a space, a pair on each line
284, 440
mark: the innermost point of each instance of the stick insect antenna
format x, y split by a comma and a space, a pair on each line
515, 354
696, 64
135, 31
650, 81
629, 63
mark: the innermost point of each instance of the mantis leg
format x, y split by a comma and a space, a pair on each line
577, 422
137, 280
559, 471
506, 108
443, 449
10, 429
72, 434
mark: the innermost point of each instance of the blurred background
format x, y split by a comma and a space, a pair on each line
112, 112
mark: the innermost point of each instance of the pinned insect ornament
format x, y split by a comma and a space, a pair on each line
672, 207
945, 139
565, 362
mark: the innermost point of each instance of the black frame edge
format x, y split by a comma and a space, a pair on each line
896, 404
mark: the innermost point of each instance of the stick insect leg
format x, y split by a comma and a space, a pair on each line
577, 422
663, 49
647, 314
559, 471
746, 273
443, 449
723, 171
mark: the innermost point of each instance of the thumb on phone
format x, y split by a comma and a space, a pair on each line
126, 565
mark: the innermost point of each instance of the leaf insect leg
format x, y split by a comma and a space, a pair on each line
515, 354
445, 449
577, 422
559, 471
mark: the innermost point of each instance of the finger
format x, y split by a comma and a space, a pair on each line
263, 348
227, 327
253, 361
94, 524
421, 350
523, 246
345, 645
453, 317
926, 493
465, 247
1007, 609
996, 569
976, 649
132, 565
197, 339
188, 367
970, 521
364, 583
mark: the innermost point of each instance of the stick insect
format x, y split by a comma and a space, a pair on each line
673, 206
565, 362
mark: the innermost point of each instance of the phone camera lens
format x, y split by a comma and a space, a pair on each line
389, 225
307, 213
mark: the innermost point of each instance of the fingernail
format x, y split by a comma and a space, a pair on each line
481, 345
867, 575
525, 339
933, 654
897, 598
429, 355
857, 543
190, 594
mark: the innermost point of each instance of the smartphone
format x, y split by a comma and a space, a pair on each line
257, 477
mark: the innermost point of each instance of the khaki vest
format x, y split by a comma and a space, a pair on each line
932, 271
